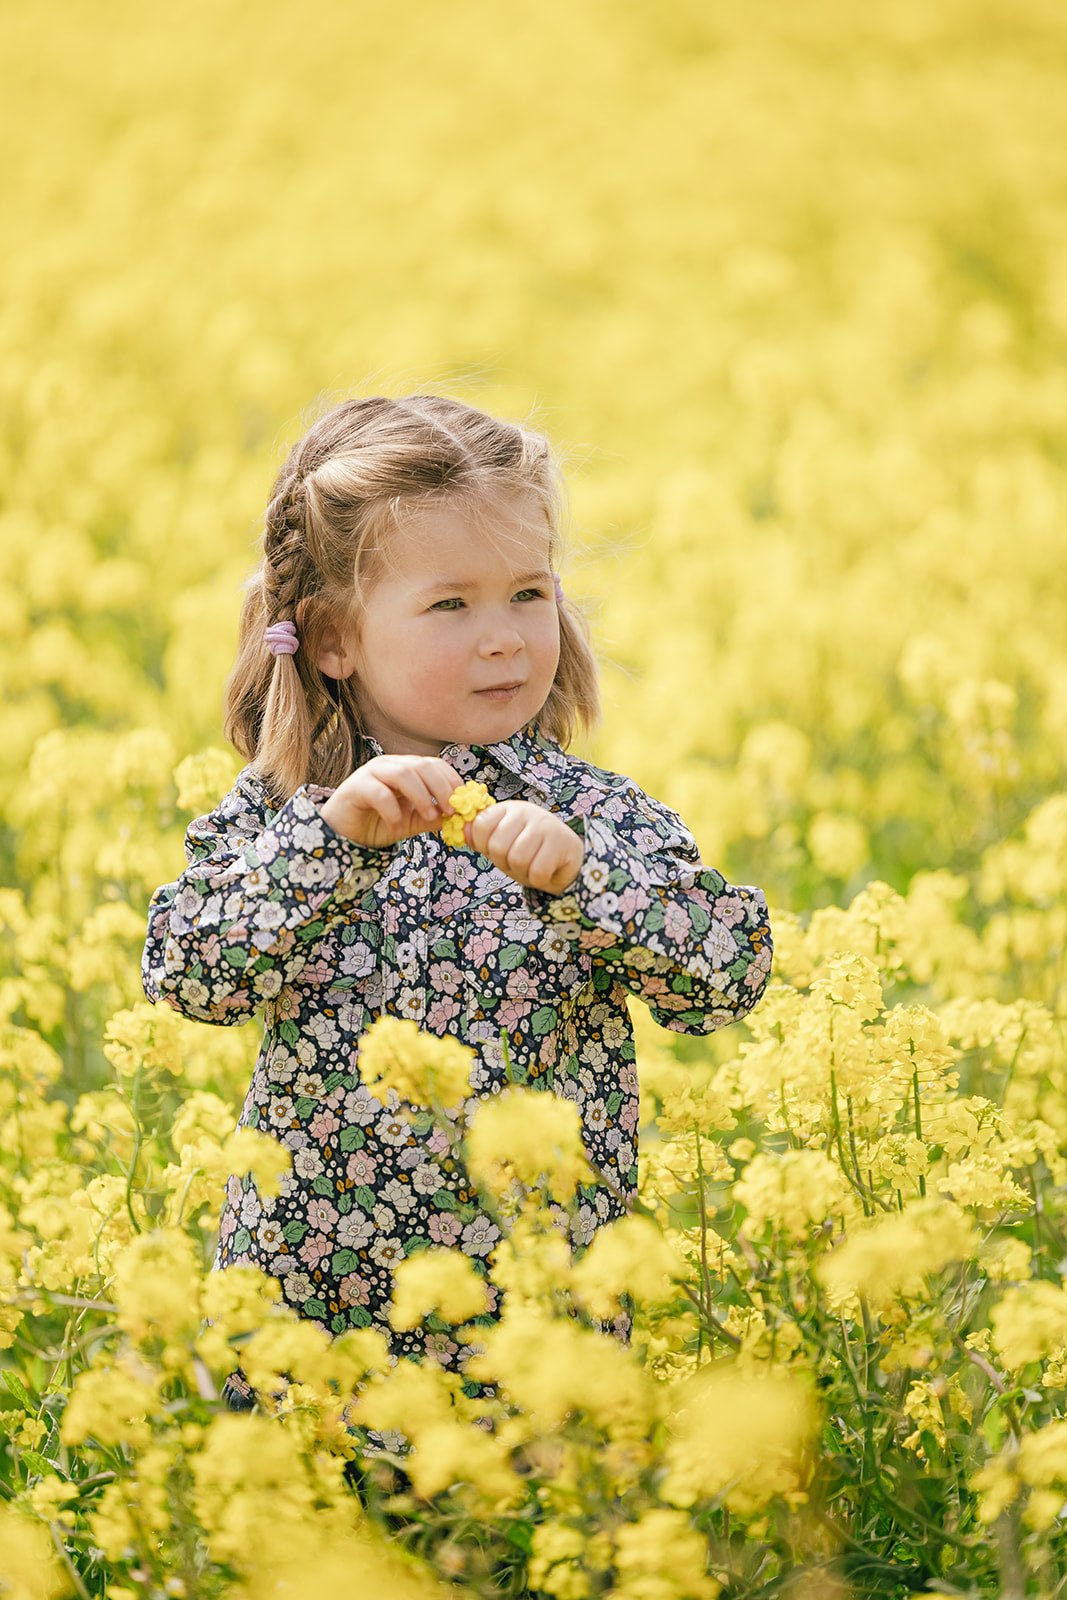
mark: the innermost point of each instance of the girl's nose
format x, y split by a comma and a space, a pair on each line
500, 639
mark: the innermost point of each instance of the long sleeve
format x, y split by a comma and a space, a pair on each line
259, 889
694, 948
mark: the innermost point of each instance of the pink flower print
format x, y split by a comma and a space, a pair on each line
631, 901
445, 977
729, 910
321, 1214
522, 984
322, 1124
318, 971
437, 1142
629, 1115
361, 1167
479, 944
676, 922
212, 952
444, 1228
448, 904
440, 1013
511, 1012
353, 1290
287, 1004
228, 1227
314, 1248
440, 1348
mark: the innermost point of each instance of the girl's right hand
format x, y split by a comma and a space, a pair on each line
390, 798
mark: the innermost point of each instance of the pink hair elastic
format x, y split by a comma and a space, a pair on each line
282, 638
559, 588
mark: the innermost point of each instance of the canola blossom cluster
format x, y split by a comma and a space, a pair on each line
801, 300
466, 802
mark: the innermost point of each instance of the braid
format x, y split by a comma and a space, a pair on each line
285, 553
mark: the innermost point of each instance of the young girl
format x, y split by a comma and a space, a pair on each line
407, 632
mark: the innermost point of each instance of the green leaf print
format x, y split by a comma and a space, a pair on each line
352, 1139
323, 1185
544, 1019
314, 1307
344, 1261
289, 1032
235, 956
241, 1241
612, 1103
512, 956
365, 1198
294, 1231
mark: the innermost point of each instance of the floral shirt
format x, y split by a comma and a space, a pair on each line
277, 910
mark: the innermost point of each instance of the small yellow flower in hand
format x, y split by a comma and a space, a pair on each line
466, 802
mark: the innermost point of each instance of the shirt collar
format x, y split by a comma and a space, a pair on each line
529, 755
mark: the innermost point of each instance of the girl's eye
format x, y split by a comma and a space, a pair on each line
538, 594
454, 600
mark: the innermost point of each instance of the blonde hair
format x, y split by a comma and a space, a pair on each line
345, 488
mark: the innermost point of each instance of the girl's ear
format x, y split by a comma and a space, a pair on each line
336, 656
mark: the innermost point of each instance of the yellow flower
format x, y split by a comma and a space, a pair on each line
436, 1280
1030, 1324
157, 1286
891, 1258
630, 1254
529, 1136
113, 1405
29, 1568
792, 1192
466, 802
422, 1069
660, 1557
761, 1426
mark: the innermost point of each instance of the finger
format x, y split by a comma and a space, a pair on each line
412, 783
378, 796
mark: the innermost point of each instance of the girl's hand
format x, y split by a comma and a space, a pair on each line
390, 798
533, 846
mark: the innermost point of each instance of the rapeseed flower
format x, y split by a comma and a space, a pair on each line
527, 1137
436, 1280
421, 1069
466, 802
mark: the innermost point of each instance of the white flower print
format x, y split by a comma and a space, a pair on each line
361, 1106
387, 1252
307, 1163
427, 1178
401, 1196
281, 1111
297, 1287
393, 1129
308, 1085
479, 1237
355, 1231
269, 1235
384, 1219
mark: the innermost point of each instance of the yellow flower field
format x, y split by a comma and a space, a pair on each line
786, 286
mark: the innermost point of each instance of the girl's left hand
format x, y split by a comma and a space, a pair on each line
533, 846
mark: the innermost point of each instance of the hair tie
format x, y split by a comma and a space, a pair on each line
559, 588
282, 638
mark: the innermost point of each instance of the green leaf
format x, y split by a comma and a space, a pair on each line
352, 1139
314, 1308
323, 1185
241, 1241
512, 956
344, 1261
544, 1019
364, 1198
19, 1390
294, 1231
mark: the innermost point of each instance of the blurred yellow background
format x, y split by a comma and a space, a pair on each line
785, 284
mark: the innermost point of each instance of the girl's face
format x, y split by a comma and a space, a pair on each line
459, 642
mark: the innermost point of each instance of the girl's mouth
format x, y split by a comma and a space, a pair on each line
502, 691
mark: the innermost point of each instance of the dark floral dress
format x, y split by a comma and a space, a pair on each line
277, 910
